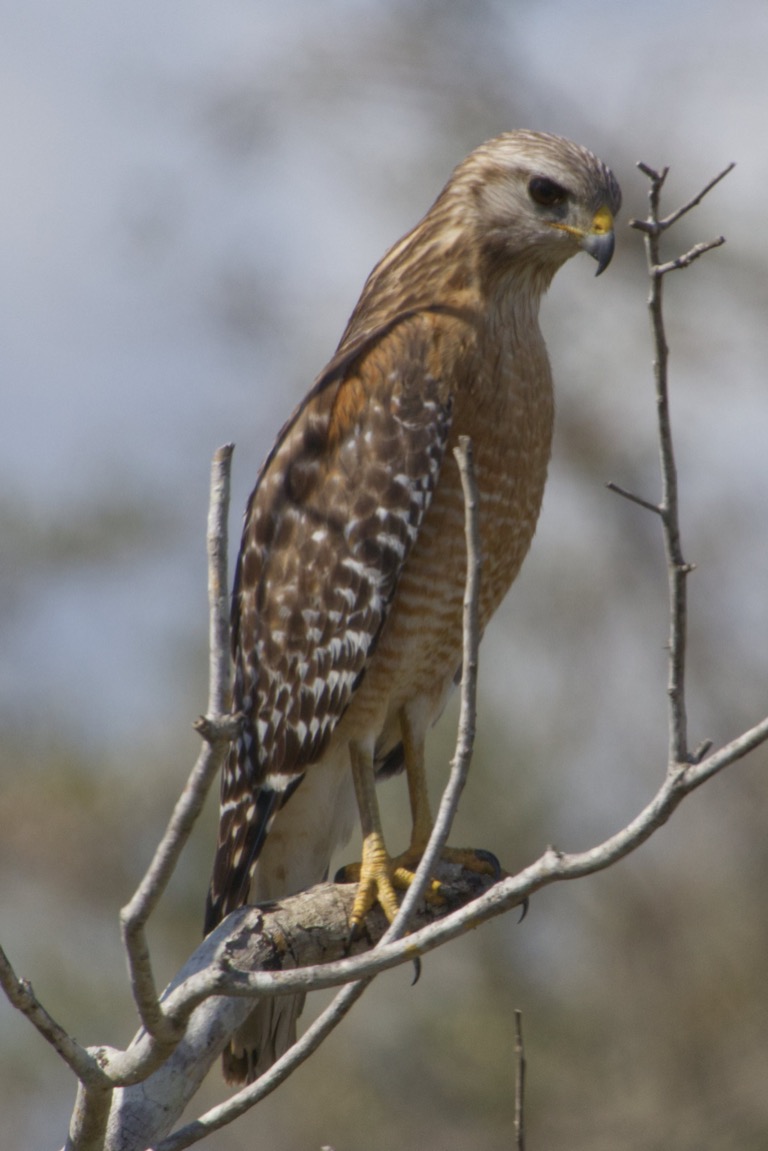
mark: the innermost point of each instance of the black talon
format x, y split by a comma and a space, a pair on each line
524, 909
416, 971
355, 934
490, 858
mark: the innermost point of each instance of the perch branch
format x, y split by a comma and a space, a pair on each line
312, 927
227, 963
349, 994
237, 975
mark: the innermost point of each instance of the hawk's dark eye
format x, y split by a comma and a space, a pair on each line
546, 192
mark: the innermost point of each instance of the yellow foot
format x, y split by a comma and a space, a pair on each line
378, 876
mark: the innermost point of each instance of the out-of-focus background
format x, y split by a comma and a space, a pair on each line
191, 197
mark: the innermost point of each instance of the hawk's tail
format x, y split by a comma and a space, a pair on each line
245, 817
295, 855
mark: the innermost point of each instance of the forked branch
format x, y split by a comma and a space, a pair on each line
195, 992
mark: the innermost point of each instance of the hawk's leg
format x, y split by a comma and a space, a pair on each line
421, 813
375, 877
378, 874
422, 823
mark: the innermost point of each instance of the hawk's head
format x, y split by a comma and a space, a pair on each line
535, 199
510, 215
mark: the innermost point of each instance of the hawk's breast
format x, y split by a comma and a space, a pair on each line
508, 414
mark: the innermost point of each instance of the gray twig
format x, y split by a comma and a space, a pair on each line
668, 509
654, 224
519, 1083
135, 914
20, 994
688, 257
673, 217
647, 504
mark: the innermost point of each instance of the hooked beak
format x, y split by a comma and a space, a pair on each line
600, 241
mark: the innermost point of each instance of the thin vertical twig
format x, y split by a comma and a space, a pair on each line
653, 228
676, 566
519, 1083
465, 738
134, 915
217, 538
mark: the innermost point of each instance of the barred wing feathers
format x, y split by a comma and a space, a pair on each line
334, 515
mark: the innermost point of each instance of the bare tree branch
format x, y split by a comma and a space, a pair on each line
135, 914
688, 257
95, 1088
92, 1107
676, 566
673, 217
255, 950
193, 995
678, 570
654, 224
238, 974
313, 928
23, 998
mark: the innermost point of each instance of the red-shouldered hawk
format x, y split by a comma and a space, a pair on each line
347, 609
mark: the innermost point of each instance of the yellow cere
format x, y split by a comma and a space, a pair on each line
602, 222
